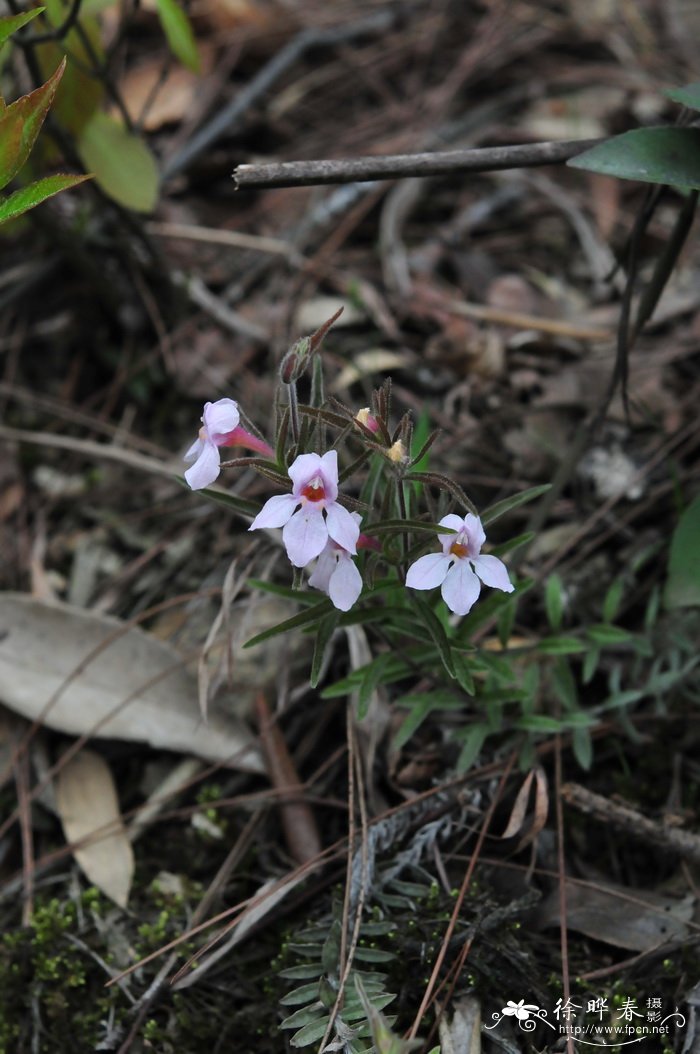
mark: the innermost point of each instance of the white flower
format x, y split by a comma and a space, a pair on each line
456, 568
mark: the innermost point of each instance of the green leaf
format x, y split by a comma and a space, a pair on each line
564, 684
688, 95
513, 543
561, 646
122, 164
590, 665
472, 742
12, 23
613, 599
435, 629
326, 629
603, 634
463, 673
494, 512
371, 676
304, 618
554, 601
231, 501
683, 580
302, 994
582, 744
21, 201
20, 124
670, 156
422, 705
304, 1016
178, 33
405, 525
539, 723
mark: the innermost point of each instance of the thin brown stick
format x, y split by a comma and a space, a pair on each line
400, 166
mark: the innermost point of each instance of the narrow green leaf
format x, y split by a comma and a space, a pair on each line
26, 198
621, 699
12, 23
514, 543
669, 156
435, 629
539, 723
122, 164
178, 33
554, 601
564, 684
326, 629
302, 994
304, 618
590, 665
299, 596
405, 525
20, 124
304, 1016
683, 581
582, 744
232, 502
494, 512
372, 674
422, 705
613, 599
603, 634
688, 95
463, 673
472, 742
561, 646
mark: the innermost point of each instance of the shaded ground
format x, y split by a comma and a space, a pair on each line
492, 302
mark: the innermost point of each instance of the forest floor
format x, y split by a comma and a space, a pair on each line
536, 842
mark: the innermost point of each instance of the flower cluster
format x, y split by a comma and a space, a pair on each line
317, 527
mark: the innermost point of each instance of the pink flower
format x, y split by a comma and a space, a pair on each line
306, 531
336, 574
454, 568
220, 428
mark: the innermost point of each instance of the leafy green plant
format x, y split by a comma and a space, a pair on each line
20, 124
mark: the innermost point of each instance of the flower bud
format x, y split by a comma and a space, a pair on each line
397, 453
295, 361
365, 418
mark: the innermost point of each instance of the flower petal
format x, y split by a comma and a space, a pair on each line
457, 524
461, 588
342, 527
275, 512
476, 533
220, 417
305, 535
205, 469
325, 566
493, 572
329, 469
345, 585
303, 469
453, 521
429, 571
194, 451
